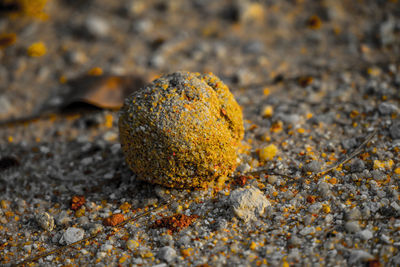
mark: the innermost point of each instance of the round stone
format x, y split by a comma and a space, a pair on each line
182, 130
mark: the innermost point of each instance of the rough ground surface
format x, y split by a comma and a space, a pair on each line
313, 78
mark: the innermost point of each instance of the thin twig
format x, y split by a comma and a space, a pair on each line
353, 154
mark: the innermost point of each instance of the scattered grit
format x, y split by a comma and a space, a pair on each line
335, 78
182, 130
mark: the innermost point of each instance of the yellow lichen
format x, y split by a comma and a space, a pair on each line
182, 130
29, 8
268, 152
37, 49
267, 111
96, 71
380, 164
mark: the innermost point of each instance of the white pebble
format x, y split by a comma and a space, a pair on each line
352, 227
395, 206
167, 254
96, 26
247, 203
72, 235
358, 256
365, 234
307, 230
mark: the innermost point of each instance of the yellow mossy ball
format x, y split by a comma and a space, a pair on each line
182, 130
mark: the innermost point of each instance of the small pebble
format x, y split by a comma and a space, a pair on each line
395, 206
167, 254
385, 239
395, 130
272, 179
324, 189
63, 218
46, 221
313, 166
387, 108
97, 26
365, 234
352, 227
349, 143
307, 230
247, 203
295, 241
243, 168
353, 214
357, 165
71, 235
359, 256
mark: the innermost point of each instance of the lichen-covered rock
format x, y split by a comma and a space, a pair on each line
182, 130
46, 221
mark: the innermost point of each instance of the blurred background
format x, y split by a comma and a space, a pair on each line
46, 44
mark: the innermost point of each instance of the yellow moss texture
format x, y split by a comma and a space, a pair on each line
182, 130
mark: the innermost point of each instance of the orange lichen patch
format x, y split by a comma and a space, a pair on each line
354, 113
7, 39
4, 204
326, 208
276, 127
241, 180
380, 164
373, 263
108, 121
37, 49
9, 214
268, 111
114, 219
175, 223
96, 71
314, 22
186, 252
266, 91
311, 199
301, 130
80, 212
77, 202
364, 156
125, 207
332, 180
397, 170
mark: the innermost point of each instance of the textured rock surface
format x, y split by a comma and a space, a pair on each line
182, 130
247, 203
72, 235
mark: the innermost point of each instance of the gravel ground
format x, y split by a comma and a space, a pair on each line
315, 81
